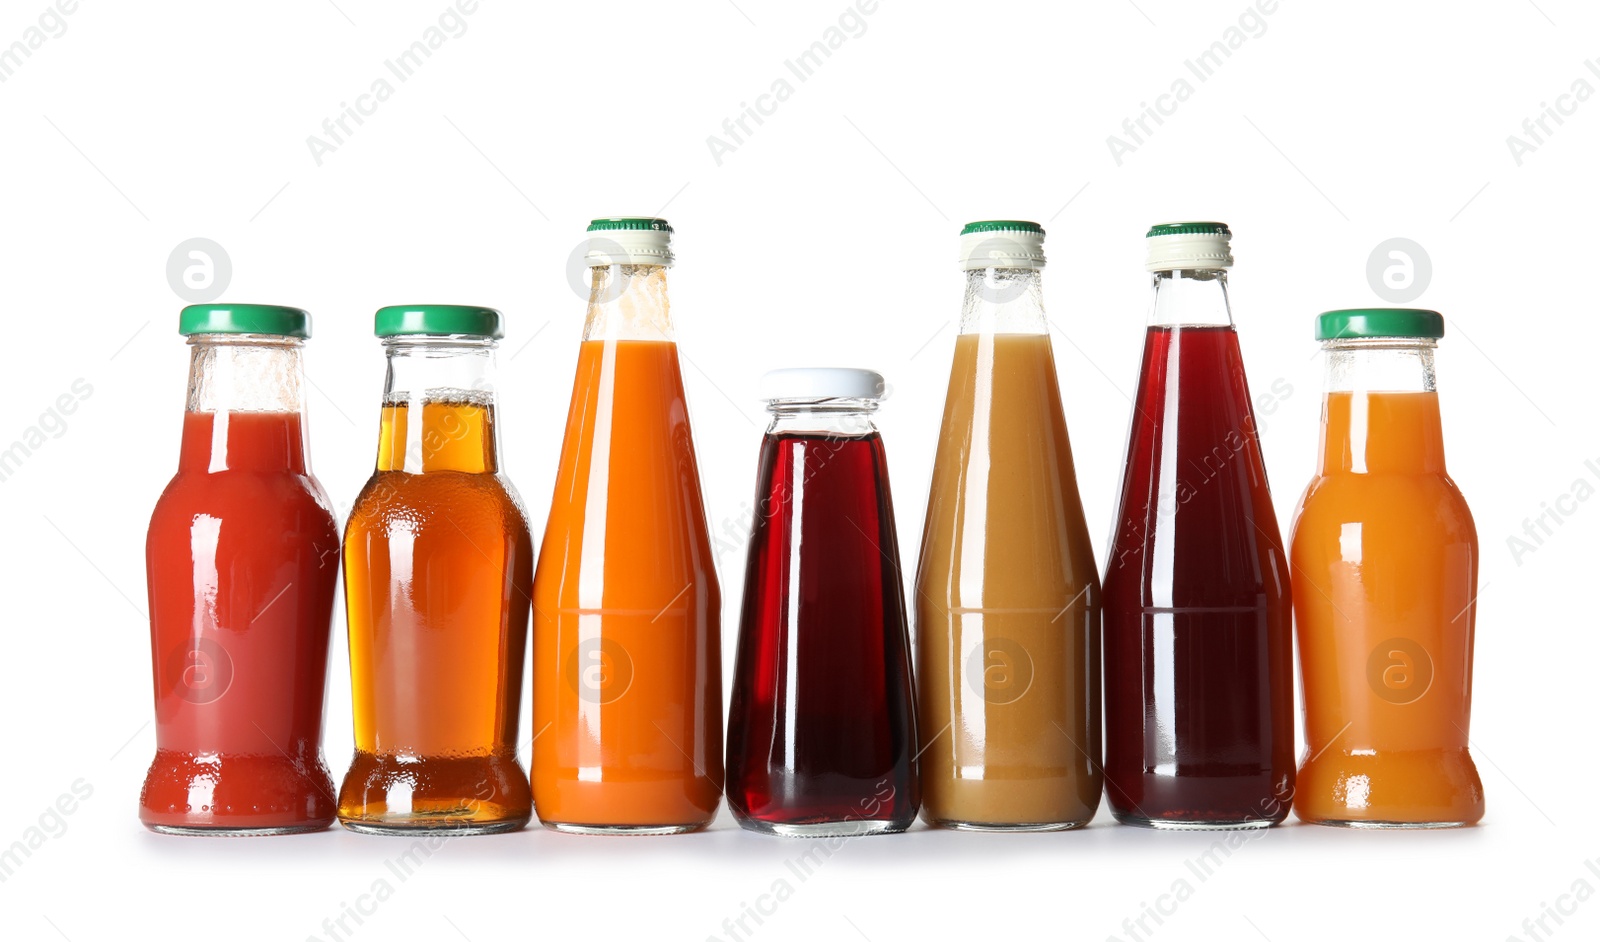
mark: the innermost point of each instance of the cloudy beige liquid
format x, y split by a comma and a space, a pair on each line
1007, 602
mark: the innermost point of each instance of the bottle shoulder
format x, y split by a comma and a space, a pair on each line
399, 499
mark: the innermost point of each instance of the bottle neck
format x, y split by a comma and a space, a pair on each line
439, 405
246, 407
1381, 411
628, 302
1003, 301
1190, 298
833, 418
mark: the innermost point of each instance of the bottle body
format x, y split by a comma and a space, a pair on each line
242, 557
1197, 596
1008, 597
627, 701
438, 572
1386, 558
821, 729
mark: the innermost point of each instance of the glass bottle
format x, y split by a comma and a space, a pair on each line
627, 688
438, 566
1008, 596
821, 728
1386, 573
1198, 662
242, 559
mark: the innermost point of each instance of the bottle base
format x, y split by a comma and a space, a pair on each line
852, 828
1392, 825
1020, 828
412, 828
177, 830
624, 830
1162, 824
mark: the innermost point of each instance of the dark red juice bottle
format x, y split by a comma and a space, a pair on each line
1197, 607
821, 729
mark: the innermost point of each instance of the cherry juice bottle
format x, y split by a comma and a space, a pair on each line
821, 730
1198, 672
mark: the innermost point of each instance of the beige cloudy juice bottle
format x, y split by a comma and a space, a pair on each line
1008, 597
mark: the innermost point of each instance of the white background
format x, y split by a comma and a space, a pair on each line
828, 236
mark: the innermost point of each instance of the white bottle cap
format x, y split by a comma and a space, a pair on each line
1187, 246
1002, 243
629, 240
821, 382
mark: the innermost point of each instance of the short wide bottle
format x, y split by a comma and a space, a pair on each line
1008, 598
243, 561
438, 568
1386, 573
821, 728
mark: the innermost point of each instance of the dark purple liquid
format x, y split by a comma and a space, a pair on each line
821, 728
1197, 609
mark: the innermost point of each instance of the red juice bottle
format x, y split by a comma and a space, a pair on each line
821, 728
242, 558
1198, 670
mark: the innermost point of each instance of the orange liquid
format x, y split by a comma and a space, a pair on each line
438, 562
1385, 561
627, 685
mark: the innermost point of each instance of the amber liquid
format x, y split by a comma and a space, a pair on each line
627, 676
438, 572
1386, 567
1007, 602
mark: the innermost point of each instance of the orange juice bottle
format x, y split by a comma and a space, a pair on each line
627, 675
1386, 568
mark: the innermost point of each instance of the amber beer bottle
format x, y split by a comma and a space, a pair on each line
438, 570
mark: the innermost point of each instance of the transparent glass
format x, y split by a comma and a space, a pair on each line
1198, 663
627, 675
1008, 594
1385, 554
438, 575
821, 724
242, 559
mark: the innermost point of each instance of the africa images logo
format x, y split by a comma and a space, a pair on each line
200, 670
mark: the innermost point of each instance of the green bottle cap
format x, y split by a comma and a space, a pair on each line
613, 223
1002, 225
1379, 322
1188, 228
402, 319
244, 319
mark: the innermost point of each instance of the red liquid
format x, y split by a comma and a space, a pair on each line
242, 558
1197, 608
821, 727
